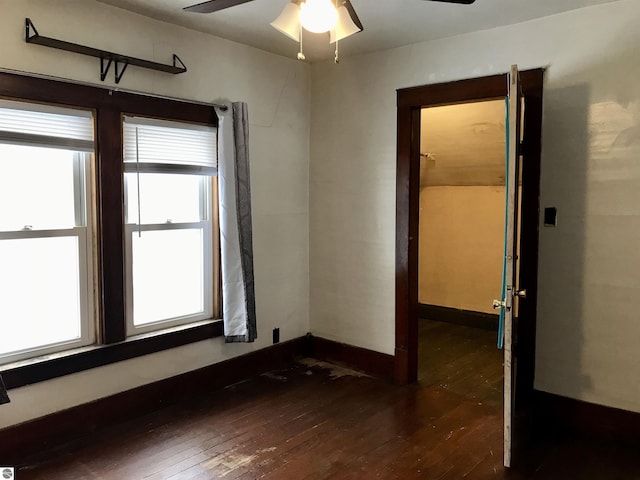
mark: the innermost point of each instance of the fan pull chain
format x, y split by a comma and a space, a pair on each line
336, 59
300, 54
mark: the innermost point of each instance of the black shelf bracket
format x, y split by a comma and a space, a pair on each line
120, 62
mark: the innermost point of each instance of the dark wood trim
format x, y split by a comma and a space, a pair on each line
110, 225
20, 441
108, 106
460, 91
457, 316
407, 218
556, 415
409, 102
104, 355
57, 92
525, 351
373, 363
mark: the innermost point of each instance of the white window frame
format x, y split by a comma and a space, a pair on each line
132, 227
83, 201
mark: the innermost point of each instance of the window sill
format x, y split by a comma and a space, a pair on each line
43, 368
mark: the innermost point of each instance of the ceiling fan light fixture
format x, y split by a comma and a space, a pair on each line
288, 22
318, 16
345, 26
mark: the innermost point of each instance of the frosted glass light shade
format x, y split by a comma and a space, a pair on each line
288, 22
318, 16
345, 26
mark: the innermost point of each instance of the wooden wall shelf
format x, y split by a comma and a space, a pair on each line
120, 62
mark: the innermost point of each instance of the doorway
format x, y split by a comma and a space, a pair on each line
461, 248
410, 103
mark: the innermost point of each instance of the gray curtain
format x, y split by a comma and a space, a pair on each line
236, 242
4, 396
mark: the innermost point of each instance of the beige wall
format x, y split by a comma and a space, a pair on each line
589, 280
277, 91
461, 246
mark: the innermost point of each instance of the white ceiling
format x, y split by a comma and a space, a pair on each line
387, 23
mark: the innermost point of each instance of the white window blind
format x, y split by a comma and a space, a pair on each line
152, 145
31, 124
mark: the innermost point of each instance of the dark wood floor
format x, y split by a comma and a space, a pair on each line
316, 421
462, 360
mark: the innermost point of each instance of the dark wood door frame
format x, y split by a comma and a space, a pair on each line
410, 103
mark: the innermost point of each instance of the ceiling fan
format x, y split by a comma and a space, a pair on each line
216, 5
338, 17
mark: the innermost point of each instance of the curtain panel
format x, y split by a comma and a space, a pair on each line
4, 397
236, 242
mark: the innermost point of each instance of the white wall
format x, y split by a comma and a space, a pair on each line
588, 331
277, 92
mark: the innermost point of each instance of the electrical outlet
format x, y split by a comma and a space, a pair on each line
276, 335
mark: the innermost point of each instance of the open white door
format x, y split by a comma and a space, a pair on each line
511, 242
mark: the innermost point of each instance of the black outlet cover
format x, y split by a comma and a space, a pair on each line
550, 216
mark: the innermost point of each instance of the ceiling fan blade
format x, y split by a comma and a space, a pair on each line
464, 2
214, 5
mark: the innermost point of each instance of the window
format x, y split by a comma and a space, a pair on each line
122, 265
46, 253
169, 179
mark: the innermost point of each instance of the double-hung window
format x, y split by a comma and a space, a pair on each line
170, 174
109, 243
46, 239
